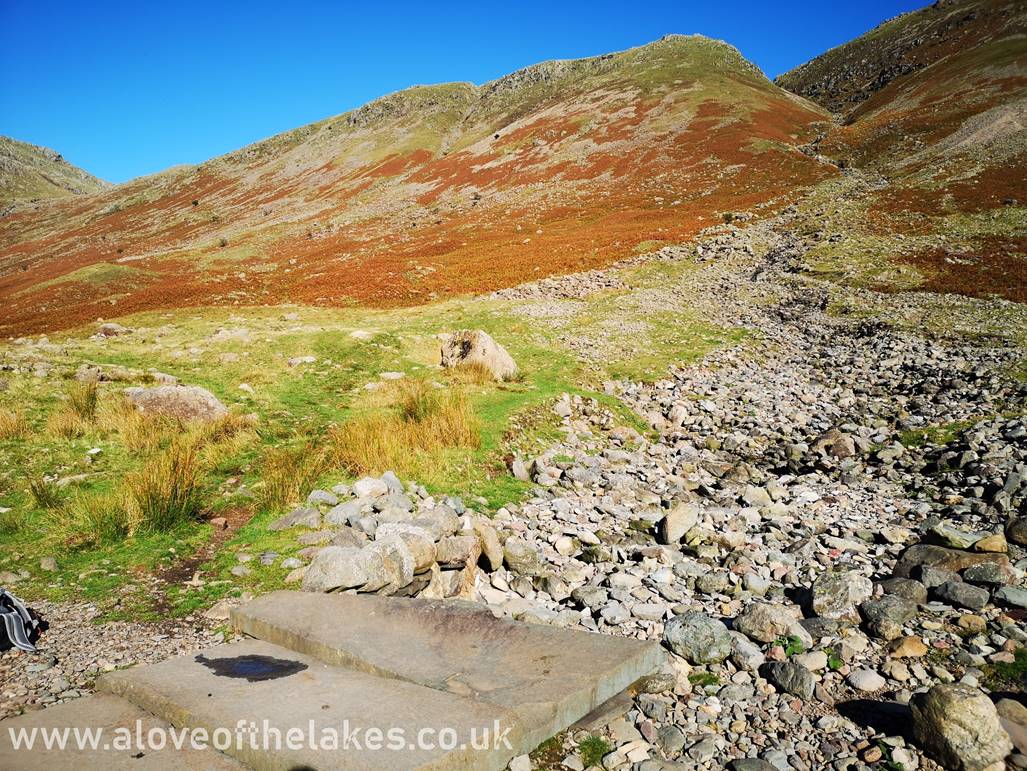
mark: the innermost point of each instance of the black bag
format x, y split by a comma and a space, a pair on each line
18, 627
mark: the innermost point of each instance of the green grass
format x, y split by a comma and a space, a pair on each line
703, 679
299, 408
593, 749
1001, 675
937, 435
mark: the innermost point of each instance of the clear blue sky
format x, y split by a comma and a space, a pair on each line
125, 89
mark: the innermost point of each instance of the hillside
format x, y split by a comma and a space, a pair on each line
429, 192
935, 103
29, 172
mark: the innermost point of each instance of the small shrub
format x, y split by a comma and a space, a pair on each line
83, 399
791, 644
45, 494
165, 492
834, 661
593, 749
13, 425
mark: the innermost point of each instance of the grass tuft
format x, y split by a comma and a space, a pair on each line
410, 438
83, 399
287, 474
45, 494
13, 425
93, 519
593, 749
11, 521
165, 492
66, 424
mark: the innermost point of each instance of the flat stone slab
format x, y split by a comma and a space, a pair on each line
331, 712
113, 752
548, 677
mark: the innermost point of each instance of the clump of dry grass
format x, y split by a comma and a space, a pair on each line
13, 424
83, 399
77, 414
140, 433
287, 474
66, 424
93, 519
409, 438
165, 492
472, 373
11, 521
45, 494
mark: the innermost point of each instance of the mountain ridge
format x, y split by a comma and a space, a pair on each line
32, 172
432, 191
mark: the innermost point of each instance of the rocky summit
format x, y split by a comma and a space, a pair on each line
674, 416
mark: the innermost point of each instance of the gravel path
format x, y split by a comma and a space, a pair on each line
75, 649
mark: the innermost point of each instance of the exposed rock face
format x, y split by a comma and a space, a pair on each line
187, 403
959, 726
468, 348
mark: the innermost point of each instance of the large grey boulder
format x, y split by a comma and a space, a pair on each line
790, 677
477, 348
959, 727
337, 567
678, 521
187, 403
836, 594
765, 622
697, 638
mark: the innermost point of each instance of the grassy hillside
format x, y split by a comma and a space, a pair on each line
430, 192
935, 103
322, 386
29, 172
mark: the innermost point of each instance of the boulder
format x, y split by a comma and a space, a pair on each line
678, 521
835, 443
959, 727
790, 677
337, 567
187, 403
111, 329
478, 348
836, 594
923, 555
521, 557
301, 517
455, 551
765, 622
697, 638
1016, 531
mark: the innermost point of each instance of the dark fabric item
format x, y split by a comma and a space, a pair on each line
17, 625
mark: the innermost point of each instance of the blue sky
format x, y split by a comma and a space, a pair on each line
125, 89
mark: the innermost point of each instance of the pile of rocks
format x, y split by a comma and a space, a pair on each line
785, 536
382, 536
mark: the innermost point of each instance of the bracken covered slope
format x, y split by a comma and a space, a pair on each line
429, 192
29, 172
935, 101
